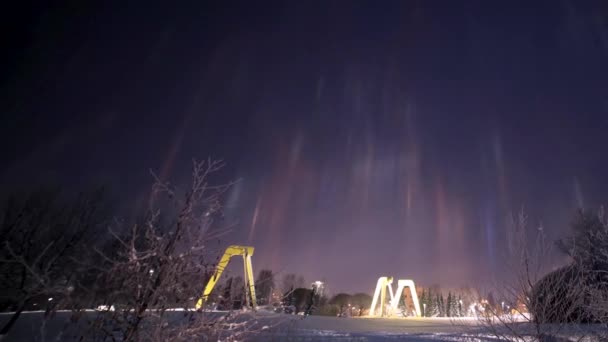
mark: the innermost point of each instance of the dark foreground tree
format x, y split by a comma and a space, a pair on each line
555, 299
44, 237
587, 245
557, 302
579, 291
300, 298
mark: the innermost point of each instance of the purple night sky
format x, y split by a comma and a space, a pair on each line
368, 138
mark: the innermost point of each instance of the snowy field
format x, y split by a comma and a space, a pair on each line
277, 327
321, 328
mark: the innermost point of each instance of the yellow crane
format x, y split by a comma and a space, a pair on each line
246, 252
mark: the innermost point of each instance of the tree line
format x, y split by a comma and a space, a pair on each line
292, 295
434, 305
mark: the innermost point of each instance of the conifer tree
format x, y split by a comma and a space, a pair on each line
435, 306
424, 303
450, 306
460, 312
453, 305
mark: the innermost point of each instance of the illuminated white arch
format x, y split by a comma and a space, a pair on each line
401, 284
380, 293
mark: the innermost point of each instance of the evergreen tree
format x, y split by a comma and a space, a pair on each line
442, 306
225, 302
460, 313
423, 303
238, 293
430, 306
449, 308
263, 287
454, 306
434, 312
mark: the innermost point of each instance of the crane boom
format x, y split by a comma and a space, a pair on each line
246, 252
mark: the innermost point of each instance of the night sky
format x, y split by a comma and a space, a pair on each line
370, 138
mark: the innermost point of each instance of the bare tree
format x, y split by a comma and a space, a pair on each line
158, 269
161, 266
291, 281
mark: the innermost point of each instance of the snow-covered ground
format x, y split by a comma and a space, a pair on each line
277, 327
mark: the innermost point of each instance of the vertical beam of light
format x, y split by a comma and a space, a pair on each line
254, 220
176, 144
275, 203
489, 229
457, 219
501, 173
409, 167
408, 198
273, 208
412, 160
412, 180
441, 222
169, 160
166, 166
368, 168
578, 194
503, 207
269, 214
